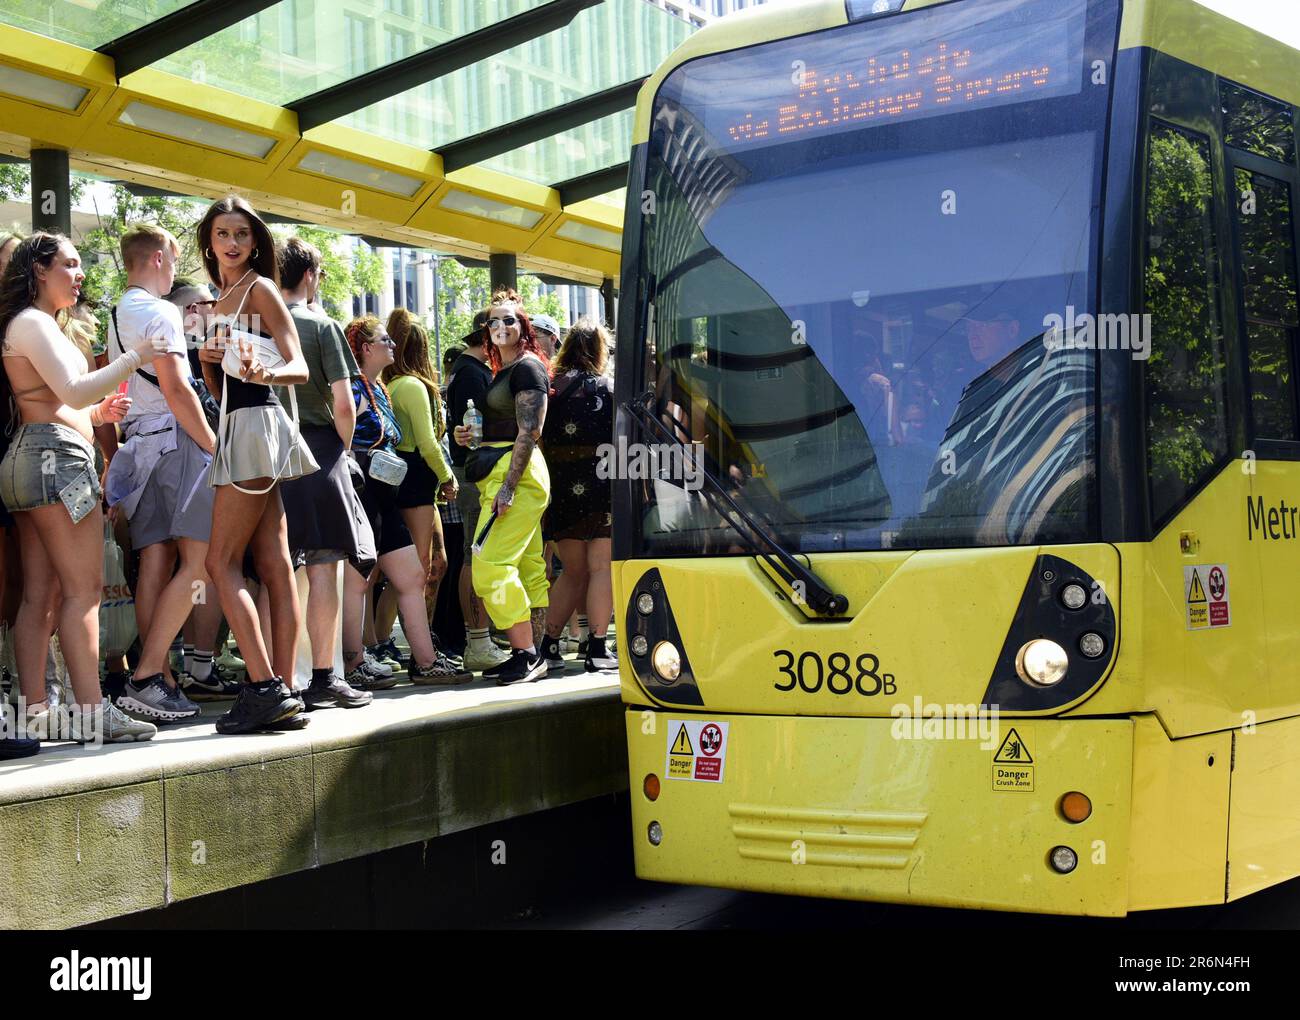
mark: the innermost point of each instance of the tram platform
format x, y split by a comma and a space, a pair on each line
91, 834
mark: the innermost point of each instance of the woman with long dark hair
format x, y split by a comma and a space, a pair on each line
252, 345
52, 404
509, 573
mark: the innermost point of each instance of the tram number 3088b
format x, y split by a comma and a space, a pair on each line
839, 673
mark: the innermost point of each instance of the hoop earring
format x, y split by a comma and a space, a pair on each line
256, 253
207, 253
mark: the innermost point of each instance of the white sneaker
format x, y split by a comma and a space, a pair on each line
376, 667
568, 643
481, 655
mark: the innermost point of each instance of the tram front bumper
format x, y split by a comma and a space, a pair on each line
946, 812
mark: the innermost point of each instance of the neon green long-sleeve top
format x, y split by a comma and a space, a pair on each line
414, 411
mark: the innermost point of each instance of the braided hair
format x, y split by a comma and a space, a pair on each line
364, 330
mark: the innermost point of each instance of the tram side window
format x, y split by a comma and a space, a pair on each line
1256, 123
1186, 385
1265, 235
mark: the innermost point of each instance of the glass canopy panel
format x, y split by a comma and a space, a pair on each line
88, 23
602, 143
297, 47
603, 46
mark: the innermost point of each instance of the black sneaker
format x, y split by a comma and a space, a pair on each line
522, 667
601, 664
334, 692
114, 684
18, 747
258, 706
214, 688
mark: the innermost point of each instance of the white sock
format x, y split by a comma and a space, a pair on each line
187, 658
476, 635
199, 664
583, 630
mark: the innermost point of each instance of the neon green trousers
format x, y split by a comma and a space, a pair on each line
509, 573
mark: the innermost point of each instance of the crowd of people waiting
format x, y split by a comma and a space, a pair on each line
232, 439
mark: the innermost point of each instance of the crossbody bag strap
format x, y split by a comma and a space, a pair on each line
148, 377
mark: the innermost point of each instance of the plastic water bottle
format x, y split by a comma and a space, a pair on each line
473, 422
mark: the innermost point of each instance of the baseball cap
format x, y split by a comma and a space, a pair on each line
475, 336
545, 322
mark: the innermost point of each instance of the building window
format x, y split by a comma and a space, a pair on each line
397, 44
289, 27
357, 31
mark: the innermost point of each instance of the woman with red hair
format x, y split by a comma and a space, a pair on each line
509, 572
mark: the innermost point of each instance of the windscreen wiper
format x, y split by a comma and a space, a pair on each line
805, 586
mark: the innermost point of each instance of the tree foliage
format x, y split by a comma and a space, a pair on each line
465, 292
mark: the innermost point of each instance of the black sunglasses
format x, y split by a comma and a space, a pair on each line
509, 320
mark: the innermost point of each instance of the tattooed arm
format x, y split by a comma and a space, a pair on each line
530, 412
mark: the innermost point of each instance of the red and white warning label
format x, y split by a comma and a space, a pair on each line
1206, 591
696, 750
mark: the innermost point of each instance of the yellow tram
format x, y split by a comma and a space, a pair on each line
956, 456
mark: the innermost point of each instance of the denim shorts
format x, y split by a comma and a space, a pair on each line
48, 464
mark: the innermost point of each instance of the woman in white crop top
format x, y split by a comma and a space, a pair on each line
51, 403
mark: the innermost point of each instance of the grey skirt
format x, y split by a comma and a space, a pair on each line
259, 443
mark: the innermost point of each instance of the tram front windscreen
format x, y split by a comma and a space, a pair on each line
854, 243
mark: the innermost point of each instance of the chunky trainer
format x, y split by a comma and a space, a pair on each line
153, 699
334, 691
214, 688
374, 666
362, 679
483, 655
440, 672
108, 723
259, 705
523, 667
18, 747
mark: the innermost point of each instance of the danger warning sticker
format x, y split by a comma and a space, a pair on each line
1206, 590
696, 750
1013, 765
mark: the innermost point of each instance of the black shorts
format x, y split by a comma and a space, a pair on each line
379, 500
420, 486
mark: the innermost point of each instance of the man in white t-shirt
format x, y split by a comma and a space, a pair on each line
158, 476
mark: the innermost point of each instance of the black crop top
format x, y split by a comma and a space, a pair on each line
499, 421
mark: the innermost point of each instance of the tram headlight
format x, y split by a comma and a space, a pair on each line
667, 660
640, 645
1042, 662
1063, 859
655, 833
645, 603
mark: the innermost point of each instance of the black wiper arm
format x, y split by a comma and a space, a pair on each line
814, 591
